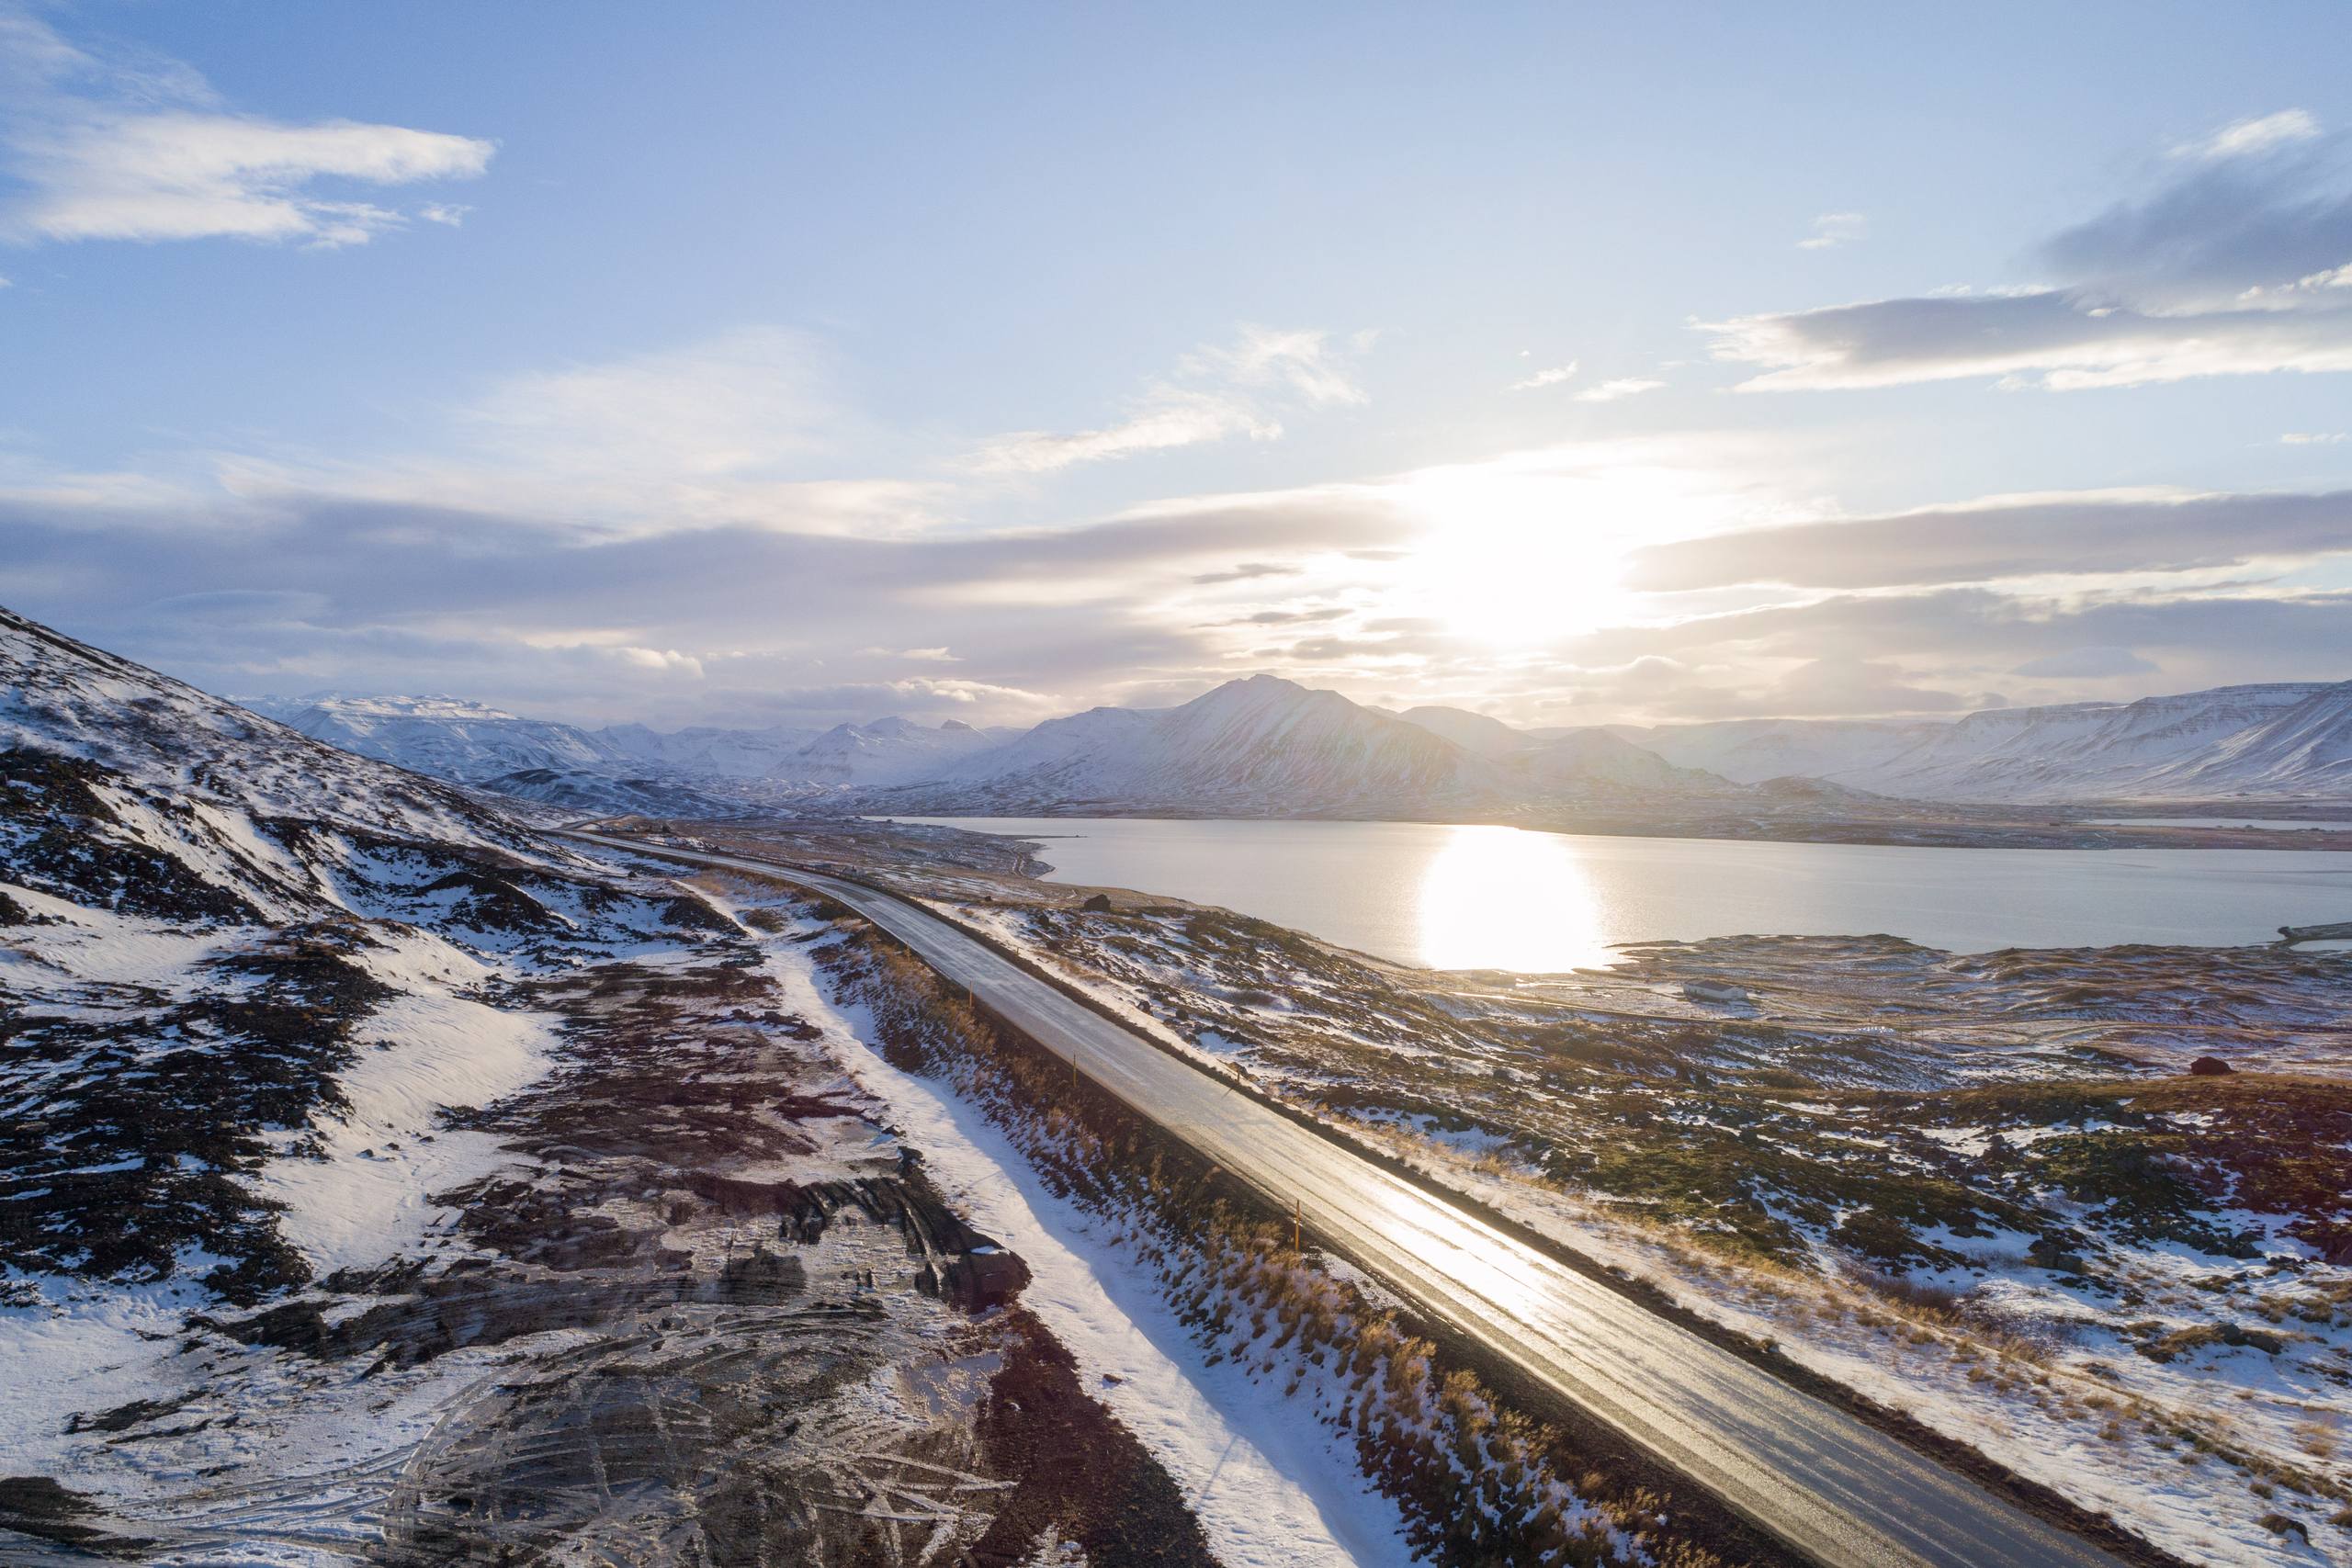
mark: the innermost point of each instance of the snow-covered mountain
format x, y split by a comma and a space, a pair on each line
2307, 750
1265, 746
703, 751
451, 737
2286, 739
586, 792
887, 752
1590, 763
1261, 745
1753, 749
1472, 731
1579, 761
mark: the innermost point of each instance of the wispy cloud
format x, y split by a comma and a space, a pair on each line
1551, 377
2311, 438
1304, 363
1165, 417
1623, 387
743, 427
2247, 138
1218, 392
1832, 230
102, 153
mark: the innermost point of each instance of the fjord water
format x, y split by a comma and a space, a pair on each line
1480, 897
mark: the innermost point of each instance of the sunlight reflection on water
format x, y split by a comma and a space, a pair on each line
1501, 898
1488, 897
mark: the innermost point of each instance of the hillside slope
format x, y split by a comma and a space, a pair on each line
1263, 746
360, 1147
2283, 739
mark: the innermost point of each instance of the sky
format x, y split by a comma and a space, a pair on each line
760, 364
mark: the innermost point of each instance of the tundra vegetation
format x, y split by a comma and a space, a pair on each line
380, 1178
2085, 1213
1479, 1480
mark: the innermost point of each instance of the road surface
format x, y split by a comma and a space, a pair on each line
1812, 1477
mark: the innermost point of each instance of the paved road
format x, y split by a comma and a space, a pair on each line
1812, 1476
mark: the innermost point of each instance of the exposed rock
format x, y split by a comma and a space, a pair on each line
2209, 1067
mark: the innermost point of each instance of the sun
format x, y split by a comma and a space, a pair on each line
1518, 560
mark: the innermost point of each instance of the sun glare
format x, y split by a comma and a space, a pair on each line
1503, 897
1518, 555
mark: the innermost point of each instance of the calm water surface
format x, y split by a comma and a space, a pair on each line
1504, 899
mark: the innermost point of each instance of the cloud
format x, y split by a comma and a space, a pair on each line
665, 660
2059, 339
1169, 417
1219, 391
2088, 534
2091, 663
1247, 571
1301, 361
746, 425
2233, 261
1833, 229
102, 153
2249, 137
2311, 438
1623, 386
1846, 687
2207, 639
731, 403
1551, 377
328, 590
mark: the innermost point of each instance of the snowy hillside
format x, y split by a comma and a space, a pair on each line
1581, 762
887, 752
1589, 763
1471, 731
1265, 746
1753, 749
2289, 739
448, 736
1254, 746
381, 1181
201, 910
627, 766
703, 751
576, 793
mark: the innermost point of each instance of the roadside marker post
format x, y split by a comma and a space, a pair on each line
1298, 1219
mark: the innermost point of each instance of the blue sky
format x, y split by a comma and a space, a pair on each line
756, 364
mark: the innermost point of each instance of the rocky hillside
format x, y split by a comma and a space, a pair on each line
380, 1180
202, 910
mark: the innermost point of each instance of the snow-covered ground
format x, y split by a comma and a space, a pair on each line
2189, 1378
1270, 1487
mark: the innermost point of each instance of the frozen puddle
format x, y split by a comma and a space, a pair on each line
1270, 1485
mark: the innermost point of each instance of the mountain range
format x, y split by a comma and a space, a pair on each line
2282, 740
455, 738
1266, 746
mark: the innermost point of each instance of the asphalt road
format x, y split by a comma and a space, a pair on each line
1810, 1475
